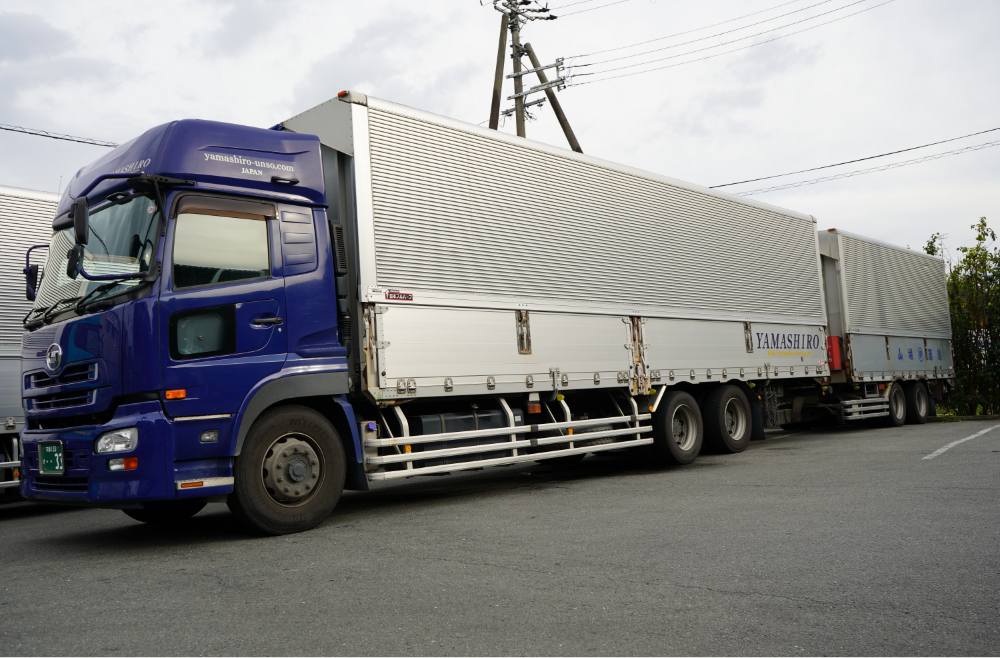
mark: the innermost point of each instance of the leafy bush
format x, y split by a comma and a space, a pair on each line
974, 299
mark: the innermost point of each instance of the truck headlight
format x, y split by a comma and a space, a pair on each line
118, 440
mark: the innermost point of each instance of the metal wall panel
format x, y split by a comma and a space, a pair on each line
891, 290
459, 211
25, 220
883, 358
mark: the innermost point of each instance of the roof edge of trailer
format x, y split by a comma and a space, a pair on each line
882, 243
421, 115
34, 195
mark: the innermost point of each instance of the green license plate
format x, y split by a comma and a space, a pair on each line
50, 458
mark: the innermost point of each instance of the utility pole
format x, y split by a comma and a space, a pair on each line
515, 33
551, 93
498, 77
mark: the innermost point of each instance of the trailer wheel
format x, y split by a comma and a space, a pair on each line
290, 473
897, 406
917, 404
677, 429
166, 512
728, 419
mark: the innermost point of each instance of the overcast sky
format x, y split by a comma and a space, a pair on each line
899, 75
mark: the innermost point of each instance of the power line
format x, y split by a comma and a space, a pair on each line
579, 2
68, 138
582, 11
719, 34
728, 52
859, 172
679, 34
726, 43
870, 157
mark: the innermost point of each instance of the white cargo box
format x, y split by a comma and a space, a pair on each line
890, 304
25, 220
479, 224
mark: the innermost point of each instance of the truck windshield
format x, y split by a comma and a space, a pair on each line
122, 241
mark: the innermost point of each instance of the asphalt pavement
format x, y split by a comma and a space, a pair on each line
844, 542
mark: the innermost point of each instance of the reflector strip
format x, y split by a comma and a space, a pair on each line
204, 483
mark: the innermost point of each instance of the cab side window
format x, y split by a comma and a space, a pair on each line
213, 247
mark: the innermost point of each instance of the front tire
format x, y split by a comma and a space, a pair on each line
728, 419
166, 512
290, 473
897, 406
677, 429
917, 403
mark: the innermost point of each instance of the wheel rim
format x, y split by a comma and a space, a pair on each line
898, 403
684, 427
921, 401
736, 419
292, 469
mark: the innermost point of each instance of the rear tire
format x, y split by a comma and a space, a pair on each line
897, 406
290, 473
917, 403
677, 429
166, 512
728, 419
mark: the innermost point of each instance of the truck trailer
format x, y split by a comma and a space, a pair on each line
25, 221
369, 292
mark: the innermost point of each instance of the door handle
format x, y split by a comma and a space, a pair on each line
263, 321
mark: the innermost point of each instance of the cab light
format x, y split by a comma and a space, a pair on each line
121, 440
123, 464
341, 94
570, 430
534, 407
408, 449
176, 394
191, 485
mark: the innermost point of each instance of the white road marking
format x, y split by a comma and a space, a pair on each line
955, 443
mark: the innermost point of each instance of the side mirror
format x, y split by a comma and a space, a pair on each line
30, 282
81, 220
73, 258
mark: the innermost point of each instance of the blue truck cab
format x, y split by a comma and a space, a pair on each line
194, 288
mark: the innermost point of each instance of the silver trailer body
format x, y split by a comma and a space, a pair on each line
890, 307
25, 220
492, 264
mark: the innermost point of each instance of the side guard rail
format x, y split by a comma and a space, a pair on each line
508, 431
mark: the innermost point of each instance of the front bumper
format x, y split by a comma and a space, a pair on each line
87, 480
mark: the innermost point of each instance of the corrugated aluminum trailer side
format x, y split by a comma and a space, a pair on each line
25, 220
492, 264
889, 322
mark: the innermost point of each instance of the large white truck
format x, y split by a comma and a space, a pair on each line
25, 220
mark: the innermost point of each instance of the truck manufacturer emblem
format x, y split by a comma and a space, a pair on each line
399, 296
53, 357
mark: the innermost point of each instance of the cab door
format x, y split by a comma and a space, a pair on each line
222, 305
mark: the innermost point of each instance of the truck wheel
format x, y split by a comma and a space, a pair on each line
728, 419
677, 429
166, 512
917, 404
290, 473
897, 406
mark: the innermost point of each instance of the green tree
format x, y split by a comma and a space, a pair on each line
974, 299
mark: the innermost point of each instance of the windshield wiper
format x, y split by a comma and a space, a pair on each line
45, 316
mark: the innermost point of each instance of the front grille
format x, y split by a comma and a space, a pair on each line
67, 484
81, 372
64, 400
